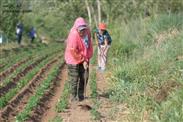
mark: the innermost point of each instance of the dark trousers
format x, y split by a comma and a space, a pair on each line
32, 39
78, 78
19, 38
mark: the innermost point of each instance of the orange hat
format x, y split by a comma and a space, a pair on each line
102, 26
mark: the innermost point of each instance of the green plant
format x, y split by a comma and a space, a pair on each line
34, 100
63, 101
57, 119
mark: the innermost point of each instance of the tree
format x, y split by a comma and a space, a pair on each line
9, 16
89, 12
99, 11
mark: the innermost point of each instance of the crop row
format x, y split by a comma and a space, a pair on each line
40, 95
27, 92
14, 58
16, 86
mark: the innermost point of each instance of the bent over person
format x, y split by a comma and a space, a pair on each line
78, 52
103, 40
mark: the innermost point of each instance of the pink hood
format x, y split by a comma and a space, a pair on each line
76, 52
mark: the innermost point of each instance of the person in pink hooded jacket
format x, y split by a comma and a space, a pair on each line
78, 52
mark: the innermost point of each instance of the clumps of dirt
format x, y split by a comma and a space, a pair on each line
168, 87
17, 78
85, 107
179, 58
2, 66
43, 105
12, 69
160, 38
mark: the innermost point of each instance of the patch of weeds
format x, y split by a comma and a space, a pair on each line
57, 119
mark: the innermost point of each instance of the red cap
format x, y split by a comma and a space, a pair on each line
102, 26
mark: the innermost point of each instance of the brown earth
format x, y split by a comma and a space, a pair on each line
76, 112
19, 76
12, 69
170, 33
79, 111
51, 113
166, 89
17, 104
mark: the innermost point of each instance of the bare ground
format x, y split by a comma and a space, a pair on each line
17, 104
78, 111
51, 113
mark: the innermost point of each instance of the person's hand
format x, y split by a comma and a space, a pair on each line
85, 65
105, 42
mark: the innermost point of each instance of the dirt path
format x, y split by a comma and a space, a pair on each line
103, 98
102, 84
51, 113
79, 111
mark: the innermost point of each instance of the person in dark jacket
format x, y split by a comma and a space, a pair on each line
32, 34
19, 31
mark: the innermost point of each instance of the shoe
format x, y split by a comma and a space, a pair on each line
98, 68
81, 98
102, 69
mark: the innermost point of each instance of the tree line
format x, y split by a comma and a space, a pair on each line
64, 12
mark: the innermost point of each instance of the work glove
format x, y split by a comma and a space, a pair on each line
85, 65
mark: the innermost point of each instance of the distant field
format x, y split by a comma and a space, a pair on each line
27, 72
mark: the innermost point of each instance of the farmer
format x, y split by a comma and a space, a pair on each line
32, 34
19, 31
103, 40
78, 52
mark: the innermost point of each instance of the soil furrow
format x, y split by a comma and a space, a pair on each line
13, 83
2, 66
17, 104
46, 107
10, 70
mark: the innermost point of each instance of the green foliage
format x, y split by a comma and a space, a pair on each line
122, 9
24, 80
35, 99
63, 101
147, 66
55, 18
170, 110
9, 14
94, 58
93, 85
57, 119
51, 19
95, 114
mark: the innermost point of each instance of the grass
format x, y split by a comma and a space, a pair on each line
93, 87
64, 99
57, 119
92, 77
138, 65
13, 57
